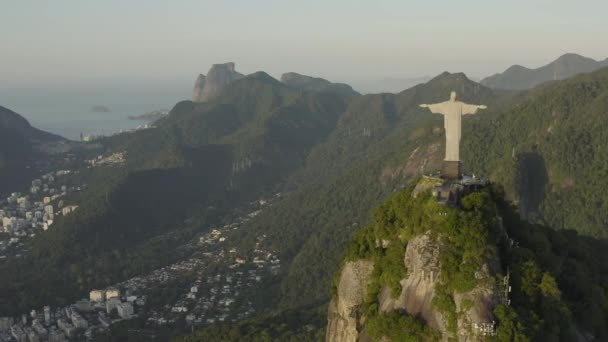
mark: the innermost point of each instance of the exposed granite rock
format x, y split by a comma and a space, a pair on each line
217, 78
308, 83
418, 288
422, 261
344, 316
199, 84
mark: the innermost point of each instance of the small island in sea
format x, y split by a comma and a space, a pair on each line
100, 109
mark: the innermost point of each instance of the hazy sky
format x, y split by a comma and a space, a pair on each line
76, 41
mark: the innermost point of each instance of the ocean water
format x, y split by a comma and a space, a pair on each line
68, 112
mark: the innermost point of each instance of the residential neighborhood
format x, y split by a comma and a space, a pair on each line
23, 215
213, 285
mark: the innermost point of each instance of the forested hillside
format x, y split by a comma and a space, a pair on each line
555, 282
20, 149
549, 150
383, 141
200, 162
518, 77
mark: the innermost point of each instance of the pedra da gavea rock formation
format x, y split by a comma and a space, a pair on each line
209, 86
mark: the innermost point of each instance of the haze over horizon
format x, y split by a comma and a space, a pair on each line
144, 43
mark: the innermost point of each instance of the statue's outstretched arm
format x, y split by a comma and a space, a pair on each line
435, 108
471, 109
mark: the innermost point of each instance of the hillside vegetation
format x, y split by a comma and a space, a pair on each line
351, 171
518, 77
546, 301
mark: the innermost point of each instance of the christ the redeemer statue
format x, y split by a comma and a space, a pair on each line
452, 112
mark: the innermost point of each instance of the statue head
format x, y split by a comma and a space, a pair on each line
453, 96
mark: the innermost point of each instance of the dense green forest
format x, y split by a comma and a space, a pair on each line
305, 325
357, 172
556, 281
351, 172
549, 151
558, 288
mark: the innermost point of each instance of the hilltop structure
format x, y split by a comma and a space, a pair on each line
452, 111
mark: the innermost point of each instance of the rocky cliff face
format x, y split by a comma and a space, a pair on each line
199, 85
344, 310
208, 87
418, 288
421, 271
346, 322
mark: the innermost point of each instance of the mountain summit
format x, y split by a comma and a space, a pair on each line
208, 87
425, 271
309, 83
20, 145
518, 77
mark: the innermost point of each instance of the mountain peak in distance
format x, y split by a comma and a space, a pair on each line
518, 77
316, 84
209, 86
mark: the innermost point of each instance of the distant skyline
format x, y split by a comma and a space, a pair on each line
73, 43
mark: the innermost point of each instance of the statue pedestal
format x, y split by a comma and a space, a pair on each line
451, 170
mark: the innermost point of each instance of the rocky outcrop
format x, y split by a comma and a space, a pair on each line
474, 310
308, 83
199, 85
422, 261
344, 310
210, 86
418, 288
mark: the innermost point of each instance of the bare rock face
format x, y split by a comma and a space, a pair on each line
199, 85
217, 78
422, 261
418, 288
474, 308
344, 317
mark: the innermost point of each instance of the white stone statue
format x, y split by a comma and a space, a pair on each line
452, 112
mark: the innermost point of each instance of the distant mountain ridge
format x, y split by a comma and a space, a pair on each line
11, 121
20, 143
518, 77
219, 76
309, 83
388, 84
